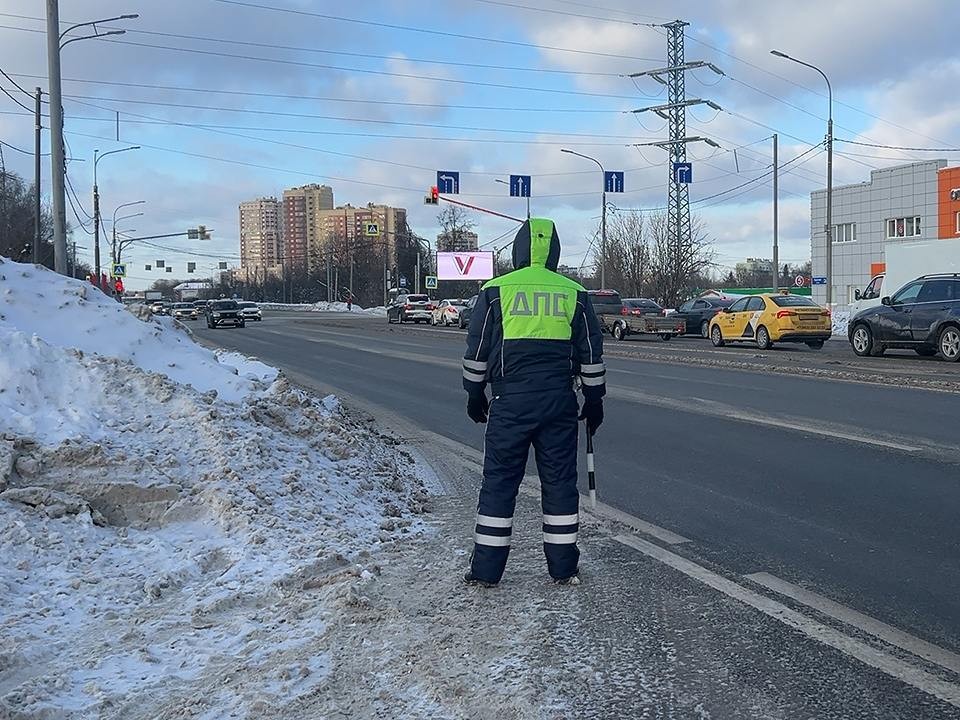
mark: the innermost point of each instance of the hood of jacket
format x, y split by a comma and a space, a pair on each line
536, 245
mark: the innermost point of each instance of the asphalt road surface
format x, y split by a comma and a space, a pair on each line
780, 468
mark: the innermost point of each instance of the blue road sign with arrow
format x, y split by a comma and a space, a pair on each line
683, 173
819, 280
448, 182
519, 186
613, 181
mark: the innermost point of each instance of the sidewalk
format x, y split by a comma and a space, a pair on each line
635, 640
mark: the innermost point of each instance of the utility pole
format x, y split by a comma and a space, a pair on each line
673, 76
776, 216
96, 218
36, 179
56, 140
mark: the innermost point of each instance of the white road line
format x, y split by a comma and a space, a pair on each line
887, 633
892, 666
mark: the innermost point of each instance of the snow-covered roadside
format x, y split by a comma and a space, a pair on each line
338, 307
171, 520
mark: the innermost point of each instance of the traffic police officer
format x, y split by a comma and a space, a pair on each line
532, 334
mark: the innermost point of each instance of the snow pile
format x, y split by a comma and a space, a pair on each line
337, 307
840, 320
167, 552
73, 314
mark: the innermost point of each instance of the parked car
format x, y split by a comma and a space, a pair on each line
447, 312
184, 311
923, 316
466, 312
769, 318
410, 308
250, 310
698, 312
222, 312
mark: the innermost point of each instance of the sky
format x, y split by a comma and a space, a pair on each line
230, 100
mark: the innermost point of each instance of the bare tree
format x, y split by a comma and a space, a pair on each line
628, 254
677, 264
455, 223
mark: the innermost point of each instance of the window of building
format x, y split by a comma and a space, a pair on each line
845, 232
903, 227
958, 222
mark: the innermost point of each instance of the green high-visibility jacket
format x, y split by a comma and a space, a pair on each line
534, 329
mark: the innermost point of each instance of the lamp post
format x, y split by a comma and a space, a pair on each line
603, 216
114, 255
55, 43
96, 204
118, 248
829, 225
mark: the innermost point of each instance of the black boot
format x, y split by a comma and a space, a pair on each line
469, 579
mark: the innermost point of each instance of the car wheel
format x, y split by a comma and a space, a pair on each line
665, 336
618, 332
815, 344
763, 338
949, 343
704, 329
925, 351
716, 336
862, 341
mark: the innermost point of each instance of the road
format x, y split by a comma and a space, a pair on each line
847, 489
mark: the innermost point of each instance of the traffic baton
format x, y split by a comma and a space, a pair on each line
591, 476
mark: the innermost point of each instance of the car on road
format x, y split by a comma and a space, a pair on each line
447, 312
202, 306
159, 307
697, 313
605, 302
223, 312
250, 310
410, 308
923, 316
466, 312
770, 318
642, 316
184, 311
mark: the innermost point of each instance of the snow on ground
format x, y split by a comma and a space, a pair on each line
840, 320
171, 521
324, 307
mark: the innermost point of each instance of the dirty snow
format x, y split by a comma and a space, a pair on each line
73, 314
324, 307
172, 519
840, 320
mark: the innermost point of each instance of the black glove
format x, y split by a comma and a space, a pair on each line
477, 407
592, 412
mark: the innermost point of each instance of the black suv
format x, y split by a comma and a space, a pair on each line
924, 315
223, 312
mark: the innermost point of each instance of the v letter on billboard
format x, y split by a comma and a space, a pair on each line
464, 263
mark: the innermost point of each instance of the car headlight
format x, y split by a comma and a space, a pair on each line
216, 314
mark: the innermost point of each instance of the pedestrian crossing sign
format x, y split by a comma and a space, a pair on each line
119, 270
371, 229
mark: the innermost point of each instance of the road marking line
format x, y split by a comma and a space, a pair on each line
875, 658
887, 633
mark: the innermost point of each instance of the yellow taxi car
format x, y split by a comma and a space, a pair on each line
770, 318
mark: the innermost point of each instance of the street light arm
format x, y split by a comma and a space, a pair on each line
100, 157
783, 55
586, 157
92, 37
129, 204
70, 29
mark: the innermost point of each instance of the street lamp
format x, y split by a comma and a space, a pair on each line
603, 216
118, 248
829, 225
96, 203
55, 43
114, 254
504, 182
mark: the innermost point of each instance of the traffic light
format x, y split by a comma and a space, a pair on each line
202, 230
433, 198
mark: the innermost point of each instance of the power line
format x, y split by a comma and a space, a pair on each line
899, 147
11, 96
340, 118
553, 11
15, 148
363, 101
369, 56
428, 31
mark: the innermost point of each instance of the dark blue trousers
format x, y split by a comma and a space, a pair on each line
548, 422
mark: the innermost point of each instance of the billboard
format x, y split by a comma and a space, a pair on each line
465, 265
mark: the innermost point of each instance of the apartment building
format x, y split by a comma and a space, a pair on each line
350, 223
260, 246
457, 241
299, 218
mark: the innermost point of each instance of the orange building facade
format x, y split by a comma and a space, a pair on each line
948, 202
